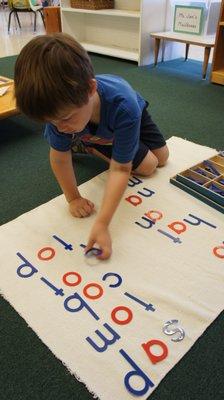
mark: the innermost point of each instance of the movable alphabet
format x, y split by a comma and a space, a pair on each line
82, 305
148, 193
198, 221
148, 307
149, 224
72, 273
41, 253
151, 217
134, 200
177, 226
93, 296
173, 331
121, 321
155, 358
218, 251
107, 342
134, 181
113, 285
58, 292
136, 372
25, 270
67, 246
167, 234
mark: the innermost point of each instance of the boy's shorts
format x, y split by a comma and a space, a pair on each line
150, 139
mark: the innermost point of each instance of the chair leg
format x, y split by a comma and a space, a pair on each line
35, 21
9, 22
17, 17
42, 16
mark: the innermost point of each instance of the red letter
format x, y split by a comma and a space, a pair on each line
150, 215
176, 229
215, 251
46, 258
78, 276
123, 321
153, 358
93, 296
134, 200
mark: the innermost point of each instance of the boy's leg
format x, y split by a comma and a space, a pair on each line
95, 152
153, 151
152, 160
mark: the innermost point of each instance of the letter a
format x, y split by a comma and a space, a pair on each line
134, 200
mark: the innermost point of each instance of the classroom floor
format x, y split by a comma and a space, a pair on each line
13, 42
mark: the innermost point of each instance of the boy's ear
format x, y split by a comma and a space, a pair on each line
93, 87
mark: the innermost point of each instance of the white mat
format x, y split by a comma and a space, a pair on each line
181, 279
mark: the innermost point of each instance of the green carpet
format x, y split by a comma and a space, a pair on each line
182, 105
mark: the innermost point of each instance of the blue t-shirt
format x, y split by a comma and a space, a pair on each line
120, 119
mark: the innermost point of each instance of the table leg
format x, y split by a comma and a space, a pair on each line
187, 51
205, 64
163, 50
157, 45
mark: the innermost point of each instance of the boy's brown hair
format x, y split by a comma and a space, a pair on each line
52, 72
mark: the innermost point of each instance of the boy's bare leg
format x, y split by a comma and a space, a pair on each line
153, 159
162, 155
97, 153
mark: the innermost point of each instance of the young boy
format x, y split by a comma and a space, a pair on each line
55, 83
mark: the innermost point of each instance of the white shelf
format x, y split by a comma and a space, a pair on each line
122, 32
112, 51
110, 12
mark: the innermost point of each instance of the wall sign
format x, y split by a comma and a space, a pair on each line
188, 19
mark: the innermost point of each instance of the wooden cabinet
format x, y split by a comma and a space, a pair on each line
52, 18
218, 58
120, 32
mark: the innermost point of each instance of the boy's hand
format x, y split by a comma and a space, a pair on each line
100, 236
81, 207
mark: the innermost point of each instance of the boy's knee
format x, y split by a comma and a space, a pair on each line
148, 165
162, 155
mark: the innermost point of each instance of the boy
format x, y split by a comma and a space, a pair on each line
55, 83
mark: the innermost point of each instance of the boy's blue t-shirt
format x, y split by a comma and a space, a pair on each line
120, 119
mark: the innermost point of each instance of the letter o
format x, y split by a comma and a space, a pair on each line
215, 251
78, 276
41, 251
124, 321
93, 296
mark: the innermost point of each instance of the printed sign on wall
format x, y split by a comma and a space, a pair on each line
188, 19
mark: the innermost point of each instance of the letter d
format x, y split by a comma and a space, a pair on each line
138, 372
30, 268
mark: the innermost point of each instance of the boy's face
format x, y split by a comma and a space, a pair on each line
74, 119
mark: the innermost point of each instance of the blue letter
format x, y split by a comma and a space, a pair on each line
56, 290
26, 264
105, 340
82, 305
137, 371
119, 279
199, 220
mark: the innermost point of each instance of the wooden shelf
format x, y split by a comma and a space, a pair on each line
217, 75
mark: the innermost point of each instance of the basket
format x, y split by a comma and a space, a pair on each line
92, 4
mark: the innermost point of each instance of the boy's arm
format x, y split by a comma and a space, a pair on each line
116, 184
62, 167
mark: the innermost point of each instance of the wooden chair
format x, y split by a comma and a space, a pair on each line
17, 6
